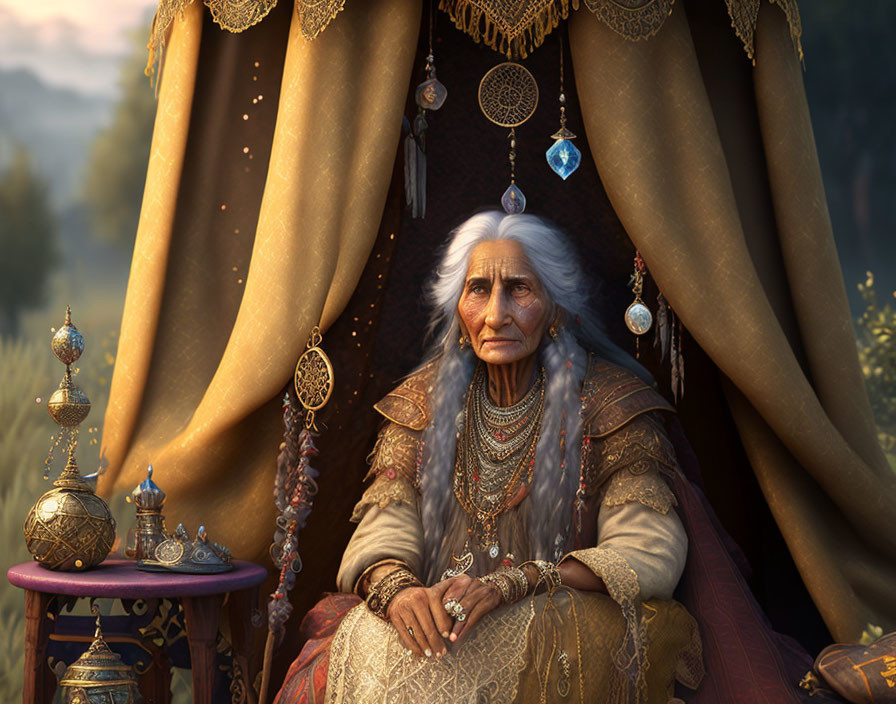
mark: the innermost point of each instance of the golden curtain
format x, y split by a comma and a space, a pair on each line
202, 362
807, 429
738, 240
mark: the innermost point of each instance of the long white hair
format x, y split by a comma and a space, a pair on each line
556, 472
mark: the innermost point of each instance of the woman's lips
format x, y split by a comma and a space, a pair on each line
497, 340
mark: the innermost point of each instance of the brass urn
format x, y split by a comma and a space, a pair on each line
70, 528
99, 676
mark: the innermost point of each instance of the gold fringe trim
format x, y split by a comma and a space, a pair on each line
232, 15
159, 33
238, 15
744, 16
633, 20
514, 36
315, 15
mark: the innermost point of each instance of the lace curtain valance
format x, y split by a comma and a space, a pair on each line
511, 27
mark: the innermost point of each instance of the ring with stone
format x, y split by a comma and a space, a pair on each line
411, 631
451, 606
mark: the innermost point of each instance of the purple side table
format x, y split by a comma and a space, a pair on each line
200, 595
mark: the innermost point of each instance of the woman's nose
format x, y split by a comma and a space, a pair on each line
497, 312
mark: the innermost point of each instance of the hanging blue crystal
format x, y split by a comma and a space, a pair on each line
563, 156
513, 201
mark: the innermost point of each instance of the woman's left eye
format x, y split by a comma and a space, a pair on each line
519, 289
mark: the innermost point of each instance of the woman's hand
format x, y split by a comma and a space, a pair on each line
476, 598
420, 619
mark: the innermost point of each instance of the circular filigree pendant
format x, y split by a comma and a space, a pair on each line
314, 379
508, 94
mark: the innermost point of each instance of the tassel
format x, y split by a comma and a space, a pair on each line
415, 165
294, 490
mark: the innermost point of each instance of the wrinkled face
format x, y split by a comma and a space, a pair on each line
503, 308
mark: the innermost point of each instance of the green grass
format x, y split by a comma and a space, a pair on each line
30, 371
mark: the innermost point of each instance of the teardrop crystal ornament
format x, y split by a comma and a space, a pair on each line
513, 201
563, 158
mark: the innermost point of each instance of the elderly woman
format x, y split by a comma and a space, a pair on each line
518, 542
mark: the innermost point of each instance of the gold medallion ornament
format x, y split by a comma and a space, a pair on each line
508, 94
313, 378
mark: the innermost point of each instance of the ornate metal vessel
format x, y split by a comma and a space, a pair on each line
150, 531
99, 676
70, 528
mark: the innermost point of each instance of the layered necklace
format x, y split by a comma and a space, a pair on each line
495, 454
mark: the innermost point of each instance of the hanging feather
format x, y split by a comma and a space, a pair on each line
680, 361
415, 164
420, 127
410, 161
662, 332
673, 362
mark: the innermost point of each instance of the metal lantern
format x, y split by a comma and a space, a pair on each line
99, 676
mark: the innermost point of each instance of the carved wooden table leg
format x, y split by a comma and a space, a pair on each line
201, 617
40, 683
240, 607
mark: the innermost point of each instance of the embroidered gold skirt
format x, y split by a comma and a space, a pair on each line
564, 648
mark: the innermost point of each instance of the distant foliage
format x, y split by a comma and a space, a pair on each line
27, 241
850, 82
117, 168
877, 354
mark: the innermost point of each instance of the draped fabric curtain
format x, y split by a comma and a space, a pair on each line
763, 296
202, 363
260, 213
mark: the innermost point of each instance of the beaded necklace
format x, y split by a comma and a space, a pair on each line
495, 453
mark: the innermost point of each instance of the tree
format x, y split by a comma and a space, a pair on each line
27, 241
117, 169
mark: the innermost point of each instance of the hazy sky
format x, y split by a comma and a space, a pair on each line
73, 44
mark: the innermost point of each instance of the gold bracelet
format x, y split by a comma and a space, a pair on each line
501, 583
510, 581
384, 591
548, 573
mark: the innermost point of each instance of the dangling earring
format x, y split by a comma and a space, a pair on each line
430, 95
563, 156
554, 332
638, 317
464, 342
499, 86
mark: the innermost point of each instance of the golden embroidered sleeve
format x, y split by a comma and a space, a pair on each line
393, 469
636, 521
388, 520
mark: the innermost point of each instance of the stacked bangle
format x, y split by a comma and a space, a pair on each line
510, 581
381, 594
548, 573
